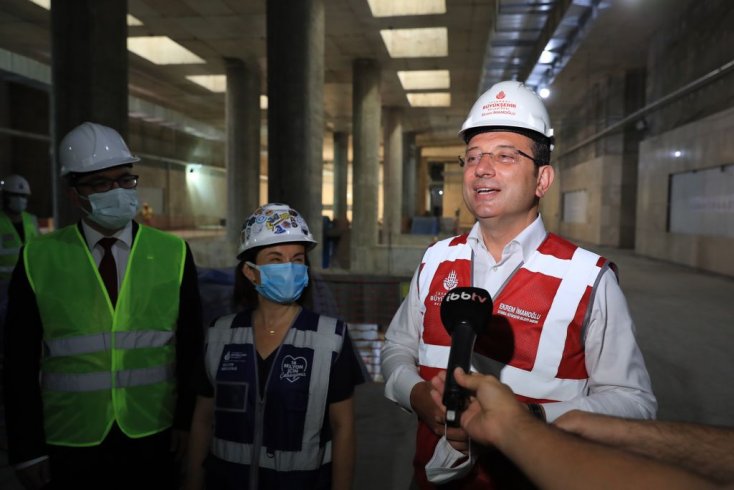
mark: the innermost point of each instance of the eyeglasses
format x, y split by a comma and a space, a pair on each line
104, 185
504, 157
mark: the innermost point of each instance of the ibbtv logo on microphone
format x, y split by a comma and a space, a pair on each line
464, 296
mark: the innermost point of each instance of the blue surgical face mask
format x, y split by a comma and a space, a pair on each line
113, 209
17, 204
281, 283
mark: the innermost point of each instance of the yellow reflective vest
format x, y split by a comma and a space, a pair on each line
105, 364
10, 241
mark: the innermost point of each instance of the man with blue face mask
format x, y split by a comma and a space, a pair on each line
116, 307
16, 225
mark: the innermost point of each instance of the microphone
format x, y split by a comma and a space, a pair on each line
465, 313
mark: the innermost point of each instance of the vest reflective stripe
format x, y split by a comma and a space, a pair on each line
85, 344
72, 383
445, 250
324, 341
105, 364
581, 270
277, 460
525, 383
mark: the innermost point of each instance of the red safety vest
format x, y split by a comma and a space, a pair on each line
536, 332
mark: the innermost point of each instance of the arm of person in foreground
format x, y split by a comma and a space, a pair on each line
403, 383
551, 458
199, 440
706, 450
341, 418
189, 348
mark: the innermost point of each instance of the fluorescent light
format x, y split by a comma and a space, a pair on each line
161, 50
424, 79
546, 57
416, 43
215, 83
393, 8
263, 102
429, 99
131, 21
43, 3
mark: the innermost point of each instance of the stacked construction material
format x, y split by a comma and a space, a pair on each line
368, 341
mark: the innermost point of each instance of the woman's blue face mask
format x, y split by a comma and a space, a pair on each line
281, 283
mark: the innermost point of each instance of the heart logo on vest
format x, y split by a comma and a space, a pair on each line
293, 368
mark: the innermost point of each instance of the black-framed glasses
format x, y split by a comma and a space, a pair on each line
504, 156
104, 185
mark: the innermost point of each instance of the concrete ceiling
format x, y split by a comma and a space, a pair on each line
489, 40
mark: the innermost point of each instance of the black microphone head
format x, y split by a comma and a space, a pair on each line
472, 306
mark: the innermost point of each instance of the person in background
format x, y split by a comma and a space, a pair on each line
561, 334
17, 226
275, 407
611, 453
103, 335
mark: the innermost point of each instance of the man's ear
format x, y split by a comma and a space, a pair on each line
546, 174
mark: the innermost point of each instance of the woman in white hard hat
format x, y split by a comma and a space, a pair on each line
275, 409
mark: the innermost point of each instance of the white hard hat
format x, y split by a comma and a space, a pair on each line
509, 105
90, 147
274, 223
16, 184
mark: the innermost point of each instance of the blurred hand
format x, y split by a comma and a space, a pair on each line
36, 476
179, 443
492, 409
433, 412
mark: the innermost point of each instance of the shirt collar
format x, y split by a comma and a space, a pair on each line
528, 239
125, 235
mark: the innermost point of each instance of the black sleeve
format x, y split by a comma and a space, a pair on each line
189, 344
346, 373
21, 390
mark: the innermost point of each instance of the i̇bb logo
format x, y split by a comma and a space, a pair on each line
501, 94
452, 296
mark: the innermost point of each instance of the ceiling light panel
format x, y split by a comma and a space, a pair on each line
131, 21
424, 79
161, 50
393, 8
429, 99
425, 42
215, 83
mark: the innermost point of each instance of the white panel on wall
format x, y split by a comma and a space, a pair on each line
574, 206
702, 202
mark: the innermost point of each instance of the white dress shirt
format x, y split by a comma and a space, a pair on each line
618, 380
120, 249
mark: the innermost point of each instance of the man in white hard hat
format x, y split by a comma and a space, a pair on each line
116, 307
17, 226
561, 335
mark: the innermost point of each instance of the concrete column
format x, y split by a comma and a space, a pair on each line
410, 172
392, 175
366, 160
296, 106
243, 142
341, 171
89, 74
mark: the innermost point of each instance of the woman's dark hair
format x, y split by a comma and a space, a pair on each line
245, 295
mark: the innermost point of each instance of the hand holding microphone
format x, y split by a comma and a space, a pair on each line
465, 313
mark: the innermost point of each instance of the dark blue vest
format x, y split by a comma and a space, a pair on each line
283, 430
